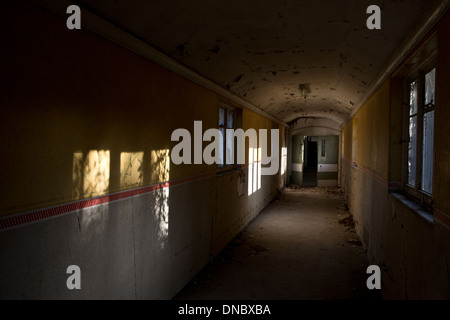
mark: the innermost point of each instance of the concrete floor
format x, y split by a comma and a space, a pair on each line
296, 249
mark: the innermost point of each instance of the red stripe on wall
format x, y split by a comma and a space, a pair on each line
12, 221
369, 172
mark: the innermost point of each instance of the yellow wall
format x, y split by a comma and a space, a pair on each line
379, 138
83, 117
409, 241
253, 120
347, 141
373, 132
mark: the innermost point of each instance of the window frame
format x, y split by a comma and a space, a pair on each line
418, 76
227, 108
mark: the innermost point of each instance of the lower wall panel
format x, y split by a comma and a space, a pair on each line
413, 253
235, 208
142, 247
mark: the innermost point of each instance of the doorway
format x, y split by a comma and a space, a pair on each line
311, 160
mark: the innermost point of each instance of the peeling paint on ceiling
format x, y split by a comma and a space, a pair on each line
262, 50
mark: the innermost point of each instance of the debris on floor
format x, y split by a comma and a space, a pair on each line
327, 191
334, 191
348, 222
355, 241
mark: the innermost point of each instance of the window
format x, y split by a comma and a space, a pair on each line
420, 135
323, 147
226, 121
254, 170
284, 158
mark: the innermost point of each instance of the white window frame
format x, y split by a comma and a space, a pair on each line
418, 76
226, 126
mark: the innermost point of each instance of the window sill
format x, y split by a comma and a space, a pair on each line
222, 171
414, 206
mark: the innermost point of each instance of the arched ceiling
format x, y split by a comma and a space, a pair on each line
266, 51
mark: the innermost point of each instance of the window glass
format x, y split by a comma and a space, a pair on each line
221, 148
412, 147
221, 117
226, 121
413, 99
250, 171
229, 148
255, 169
230, 119
427, 152
430, 88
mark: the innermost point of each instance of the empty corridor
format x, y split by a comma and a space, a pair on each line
302, 246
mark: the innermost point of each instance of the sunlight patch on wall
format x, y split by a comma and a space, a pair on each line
77, 175
96, 173
90, 173
131, 169
160, 165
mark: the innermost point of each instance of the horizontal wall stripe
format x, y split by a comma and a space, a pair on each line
297, 167
439, 215
25, 218
368, 172
321, 167
374, 175
394, 186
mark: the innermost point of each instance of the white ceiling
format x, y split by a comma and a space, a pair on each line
264, 50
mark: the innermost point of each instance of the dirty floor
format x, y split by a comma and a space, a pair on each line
301, 247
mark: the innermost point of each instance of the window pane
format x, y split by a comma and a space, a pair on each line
221, 117
427, 157
413, 98
255, 169
221, 148
250, 171
412, 146
229, 148
259, 168
284, 159
230, 119
430, 88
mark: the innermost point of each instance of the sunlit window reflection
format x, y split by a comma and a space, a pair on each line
283, 160
131, 169
160, 164
90, 173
